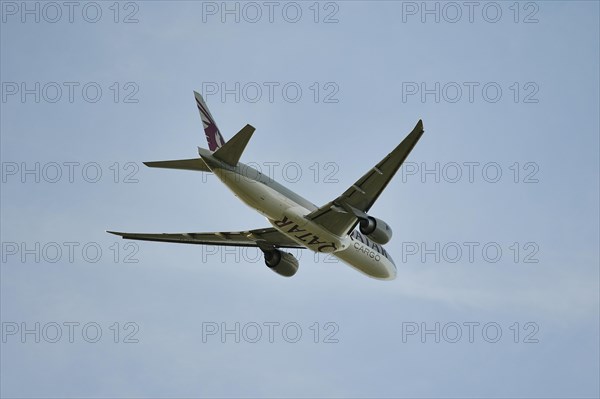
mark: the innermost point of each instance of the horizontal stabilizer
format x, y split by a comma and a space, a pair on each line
231, 151
186, 164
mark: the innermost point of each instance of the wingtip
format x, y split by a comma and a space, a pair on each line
420, 125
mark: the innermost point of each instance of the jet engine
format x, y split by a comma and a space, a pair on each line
376, 229
282, 263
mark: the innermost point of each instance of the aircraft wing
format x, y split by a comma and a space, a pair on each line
266, 238
341, 215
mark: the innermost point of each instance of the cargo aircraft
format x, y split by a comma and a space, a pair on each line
296, 222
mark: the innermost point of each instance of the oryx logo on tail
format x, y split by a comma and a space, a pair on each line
213, 135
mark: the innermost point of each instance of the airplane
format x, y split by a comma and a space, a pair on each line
296, 222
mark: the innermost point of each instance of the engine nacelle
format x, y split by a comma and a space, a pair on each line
282, 263
376, 229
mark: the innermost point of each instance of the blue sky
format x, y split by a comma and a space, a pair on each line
495, 214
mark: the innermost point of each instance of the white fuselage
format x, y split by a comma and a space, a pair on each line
286, 211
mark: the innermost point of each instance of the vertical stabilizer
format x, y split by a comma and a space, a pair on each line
213, 135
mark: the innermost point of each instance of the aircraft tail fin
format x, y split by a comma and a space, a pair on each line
231, 151
213, 135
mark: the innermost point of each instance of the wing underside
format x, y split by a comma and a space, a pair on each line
340, 216
267, 238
